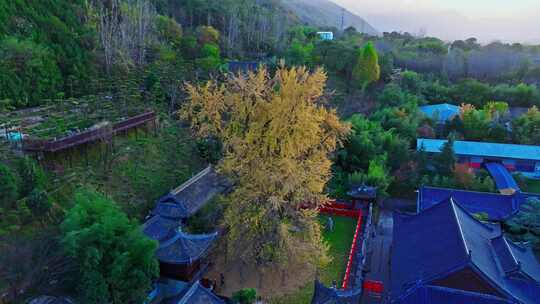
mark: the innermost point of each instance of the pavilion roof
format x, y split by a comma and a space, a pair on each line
184, 248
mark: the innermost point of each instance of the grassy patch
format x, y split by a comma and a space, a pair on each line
533, 185
339, 240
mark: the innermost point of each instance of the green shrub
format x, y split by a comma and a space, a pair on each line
245, 296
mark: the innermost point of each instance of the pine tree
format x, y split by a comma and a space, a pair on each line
8, 187
367, 69
446, 160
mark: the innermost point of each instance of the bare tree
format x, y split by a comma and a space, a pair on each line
136, 29
125, 30
109, 23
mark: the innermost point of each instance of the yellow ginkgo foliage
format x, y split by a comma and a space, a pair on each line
277, 136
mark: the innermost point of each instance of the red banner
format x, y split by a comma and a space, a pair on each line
374, 287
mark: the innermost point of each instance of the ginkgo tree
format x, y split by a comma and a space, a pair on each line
277, 136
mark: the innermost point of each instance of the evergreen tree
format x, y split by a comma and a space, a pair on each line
39, 203
524, 226
8, 187
367, 69
115, 260
446, 160
31, 176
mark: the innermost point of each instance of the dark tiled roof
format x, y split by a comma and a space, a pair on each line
445, 239
325, 295
363, 191
498, 207
184, 248
51, 300
442, 295
169, 209
191, 196
160, 229
196, 294
514, 258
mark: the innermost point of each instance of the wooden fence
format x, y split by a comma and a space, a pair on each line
104, 132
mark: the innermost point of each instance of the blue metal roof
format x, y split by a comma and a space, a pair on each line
443, 295
498, 207
503, 179
482, 149
184, 248
441, 112
445, 239
326, 295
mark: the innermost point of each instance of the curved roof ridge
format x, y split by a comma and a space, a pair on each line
469, 215
470, 191
184, 248
182, 236
468, 251
192, 180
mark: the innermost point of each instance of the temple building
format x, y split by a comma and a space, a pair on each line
180, 254
191, 196
362, 195
445, 246
515, 158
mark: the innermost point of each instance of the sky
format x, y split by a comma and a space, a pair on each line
487, 20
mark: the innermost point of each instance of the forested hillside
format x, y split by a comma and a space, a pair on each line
46, 47
327, 14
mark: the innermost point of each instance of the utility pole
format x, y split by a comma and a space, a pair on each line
342, 19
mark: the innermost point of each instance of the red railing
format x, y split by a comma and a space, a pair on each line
340, 212
339, 209
352, 252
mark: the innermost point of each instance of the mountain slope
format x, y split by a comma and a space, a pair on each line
327, 13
